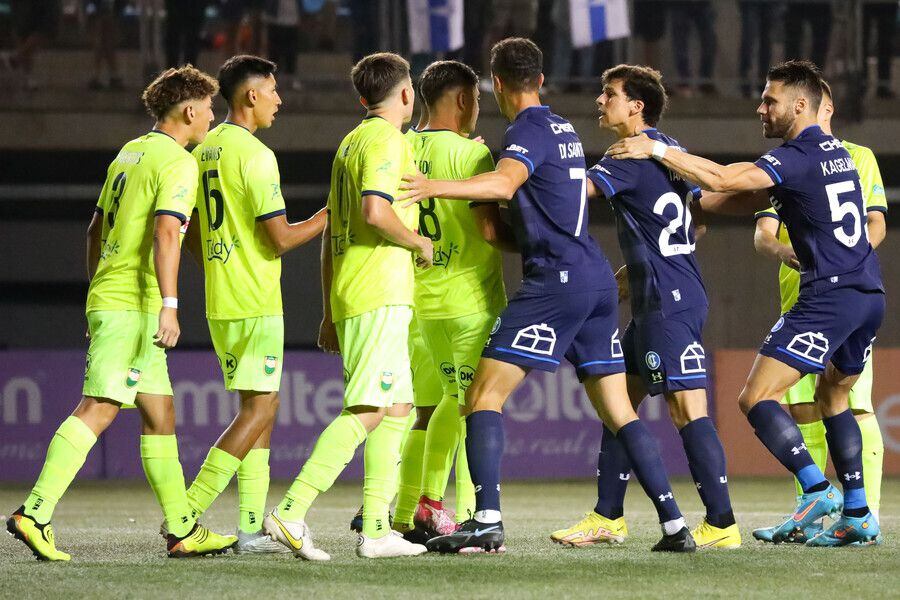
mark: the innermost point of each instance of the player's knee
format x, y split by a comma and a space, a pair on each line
96, 414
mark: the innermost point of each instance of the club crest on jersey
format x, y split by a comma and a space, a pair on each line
778, 325
652, 359
811, 345
134, 376
387, 380
537, 339
270, 364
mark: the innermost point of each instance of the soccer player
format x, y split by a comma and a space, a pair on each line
369, 252
771, 239
663, 343
566, 307
243, 233
456, 301
133, 254
815, 188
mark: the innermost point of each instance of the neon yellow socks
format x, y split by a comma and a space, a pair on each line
382, 456
440, 444
333, 450
465, 489
410, 477
253, 485
217, 471
65, 456
814, 438
159, 455
872, 460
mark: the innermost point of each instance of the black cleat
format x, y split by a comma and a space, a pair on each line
682, 541
471, 537
356, 522
415, 535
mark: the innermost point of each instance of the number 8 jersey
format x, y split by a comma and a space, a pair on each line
817, 195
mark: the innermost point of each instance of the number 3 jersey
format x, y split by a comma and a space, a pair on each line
239, 187
817, 195
653, 218
151, 175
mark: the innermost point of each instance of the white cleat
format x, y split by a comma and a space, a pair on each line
257, 543
293, 534
391, 545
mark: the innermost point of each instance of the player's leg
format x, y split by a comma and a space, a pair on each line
872, 443
801, 403
253, 488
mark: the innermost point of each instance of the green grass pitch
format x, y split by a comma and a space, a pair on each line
110, 530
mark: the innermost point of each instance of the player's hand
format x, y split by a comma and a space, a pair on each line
478, 139
787, 255
424, 253
415, 188
328, 339
622, 280
168, 332
636, 147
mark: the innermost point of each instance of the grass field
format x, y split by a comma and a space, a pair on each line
109, 528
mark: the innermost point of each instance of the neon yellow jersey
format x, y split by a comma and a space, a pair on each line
467, 275
239, 187
369, 271
875, 200
150, 175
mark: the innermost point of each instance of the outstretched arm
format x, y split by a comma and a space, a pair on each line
498, 185
735, 204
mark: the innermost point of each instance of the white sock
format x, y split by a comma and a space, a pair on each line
674, 526
487, 516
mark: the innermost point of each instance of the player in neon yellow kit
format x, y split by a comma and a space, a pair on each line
243, 231
369, 253
457, 301
134, 249
771, 239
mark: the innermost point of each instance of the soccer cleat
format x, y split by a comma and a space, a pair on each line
594, 528
708, 536
356, 523
39, 538
434, 521
391, 545
199, 542
682, 541
472, 537
257, 543
765, 534
858, 531
411, 533
293, 534
810, 508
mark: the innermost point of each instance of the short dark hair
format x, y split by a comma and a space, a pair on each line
641, 83
518, 62
826, 90
801, 74
444, 75
174, 86
376, 75
239, 69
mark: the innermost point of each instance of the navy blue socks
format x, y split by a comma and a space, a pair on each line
484, 450
706, 458
613, 472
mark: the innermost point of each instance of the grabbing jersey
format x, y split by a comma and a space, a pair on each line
467, 275
151, 175
549, 211
653, 218
817, 196
369, 271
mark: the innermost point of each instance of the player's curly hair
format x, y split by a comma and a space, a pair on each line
518, 62
802, 75
641, 83
174, 86
376, 75
443, 75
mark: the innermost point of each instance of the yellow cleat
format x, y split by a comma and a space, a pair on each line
38, 538
708, 536
199, 542
592, 529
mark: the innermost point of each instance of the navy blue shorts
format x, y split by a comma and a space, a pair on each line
667, 353
536, 331
838, 326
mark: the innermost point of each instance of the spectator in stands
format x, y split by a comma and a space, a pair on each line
758, 17
697, 18
184, 23
35, 24
516, 18
103, 25
650, 27
883, 15
563, 53
364, 16
283, 28
818, 14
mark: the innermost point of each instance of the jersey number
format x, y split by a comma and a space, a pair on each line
839, 210
215, 203
578, 174
665, 246
429, 226
118, 188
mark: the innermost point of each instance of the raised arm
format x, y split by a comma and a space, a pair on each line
286, 236
765, 240
498, 185
736, 204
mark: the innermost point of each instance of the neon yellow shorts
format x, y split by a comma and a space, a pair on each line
375, 349
250, 352
803, 392
427, 388
121, 359
456, 346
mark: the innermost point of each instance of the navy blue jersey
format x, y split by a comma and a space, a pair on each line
549, 212
653, 218
817, 195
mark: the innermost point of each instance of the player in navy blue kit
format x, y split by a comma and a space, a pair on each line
566, 307
815, 189
663, 343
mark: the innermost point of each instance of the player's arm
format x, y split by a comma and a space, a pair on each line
765, 240
710, 175
379, 214
874, 199
94, 233
286, 236
166, 258
698, 217
876, 227
193, 241
498, 185
328, 340
736, 204
493, 228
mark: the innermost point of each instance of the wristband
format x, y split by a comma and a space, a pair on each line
170, 302
659, 150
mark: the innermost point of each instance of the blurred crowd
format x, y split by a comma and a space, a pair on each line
173, 32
